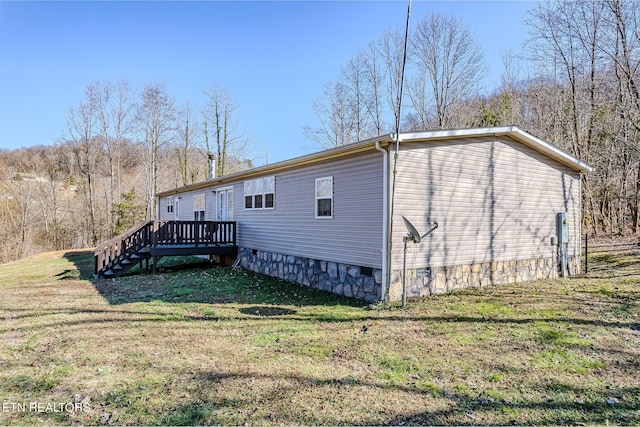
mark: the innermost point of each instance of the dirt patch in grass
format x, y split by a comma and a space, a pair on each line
216, 346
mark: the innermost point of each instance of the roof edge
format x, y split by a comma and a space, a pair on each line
318, 156
332, 153
513, 131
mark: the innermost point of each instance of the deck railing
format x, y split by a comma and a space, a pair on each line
195, 233
163, 233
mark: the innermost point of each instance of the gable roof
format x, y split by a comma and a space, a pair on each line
366, 145
510, 131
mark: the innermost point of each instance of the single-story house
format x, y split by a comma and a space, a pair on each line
324, 220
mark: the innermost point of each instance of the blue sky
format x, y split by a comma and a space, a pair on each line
273, 57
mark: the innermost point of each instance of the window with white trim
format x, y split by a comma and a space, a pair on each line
270, 192
170, 205
324, 197
198, 207
260, 193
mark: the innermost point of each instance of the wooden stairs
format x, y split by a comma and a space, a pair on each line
151, 240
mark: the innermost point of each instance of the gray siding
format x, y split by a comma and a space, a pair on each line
186, 206
163, 215
494, 200
352, 236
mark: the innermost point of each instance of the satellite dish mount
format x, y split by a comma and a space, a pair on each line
413, 235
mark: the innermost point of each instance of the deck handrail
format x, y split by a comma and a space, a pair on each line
162, 233
109, 253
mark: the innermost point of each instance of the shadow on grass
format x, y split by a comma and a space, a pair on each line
613, 264
189, 280
116, 316
83, 261
192, 280
550, 403
266, 310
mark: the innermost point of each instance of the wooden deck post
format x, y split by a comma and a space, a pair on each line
154, 233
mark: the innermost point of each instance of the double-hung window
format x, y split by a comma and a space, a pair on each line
260, 193
198, 207
324, 197
269, 192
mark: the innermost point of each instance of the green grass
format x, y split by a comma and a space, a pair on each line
215, 346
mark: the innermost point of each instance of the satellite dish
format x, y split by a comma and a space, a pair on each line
415, 237
414, 234
413, 231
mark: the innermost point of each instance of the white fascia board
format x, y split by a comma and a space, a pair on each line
550, 150
454, 133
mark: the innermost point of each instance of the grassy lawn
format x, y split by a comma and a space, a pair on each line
215, 346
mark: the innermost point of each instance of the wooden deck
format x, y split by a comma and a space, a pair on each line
152, 240
178, 250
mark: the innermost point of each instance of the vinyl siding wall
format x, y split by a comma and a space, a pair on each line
352, 236
163, 215
186, 206
495, 199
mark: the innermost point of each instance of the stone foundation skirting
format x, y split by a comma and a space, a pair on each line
364, 283
435, 280
348, 280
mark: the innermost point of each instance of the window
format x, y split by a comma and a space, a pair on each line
249, 190
170, 205
268, 200
269, 192
260, 193
324, 197
198, 207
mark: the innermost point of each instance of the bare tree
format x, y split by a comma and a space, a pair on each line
21, 212
156, 116
391, 46
449, 58
354, 106
622, 47
374, 77
114, 114
81, 124
186, 141
334, 113
353, 78
220, 129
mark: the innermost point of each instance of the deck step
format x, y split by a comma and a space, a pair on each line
155, 239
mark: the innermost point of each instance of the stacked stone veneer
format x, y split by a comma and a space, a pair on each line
342, 279
354, 282
435, 280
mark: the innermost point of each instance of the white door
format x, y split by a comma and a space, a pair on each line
225, 205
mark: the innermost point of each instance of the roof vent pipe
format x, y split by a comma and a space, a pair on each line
212, 166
